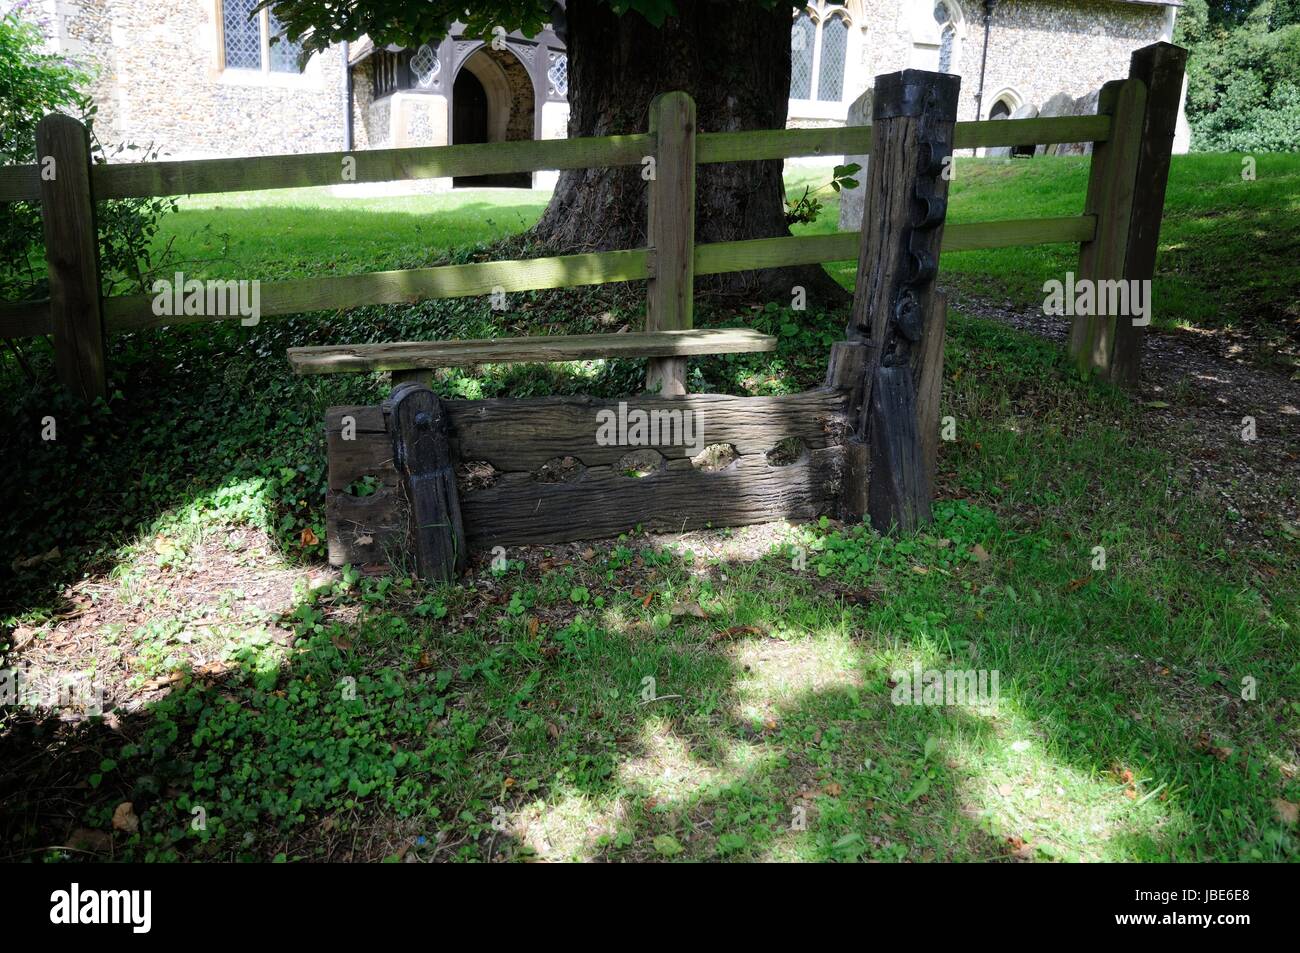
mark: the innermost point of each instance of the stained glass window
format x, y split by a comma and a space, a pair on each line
945, 49
284, 52
947, 36
802, 40
819, 52
835, 51
256, 41
558, 74
425, 66
243, 34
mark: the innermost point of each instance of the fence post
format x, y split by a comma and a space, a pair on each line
895, 332
670, 299
1126, 191
71, 254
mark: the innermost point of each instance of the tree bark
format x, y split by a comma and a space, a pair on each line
733, 58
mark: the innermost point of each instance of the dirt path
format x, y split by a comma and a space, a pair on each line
1198, 388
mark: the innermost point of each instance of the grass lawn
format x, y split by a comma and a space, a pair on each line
716, 695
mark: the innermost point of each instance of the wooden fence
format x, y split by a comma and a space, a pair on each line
1117, 231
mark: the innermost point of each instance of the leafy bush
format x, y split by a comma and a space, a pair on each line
1244, 75
32, 84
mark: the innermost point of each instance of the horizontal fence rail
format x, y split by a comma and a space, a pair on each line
22, 319
136, 312
143, 179
203, 176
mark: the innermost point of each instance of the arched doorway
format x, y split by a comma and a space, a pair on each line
1006, 106
469, 120
492, 101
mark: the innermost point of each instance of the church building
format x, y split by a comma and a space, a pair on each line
201, 78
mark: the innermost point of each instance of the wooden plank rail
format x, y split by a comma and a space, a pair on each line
25, 319
20, 183
201, 176
77, 317
856, 140
596, 496
721, 257
133, 312
135, 180
405, 355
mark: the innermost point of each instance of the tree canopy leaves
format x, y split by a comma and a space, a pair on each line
1244, 74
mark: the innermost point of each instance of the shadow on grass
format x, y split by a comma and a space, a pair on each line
403, 722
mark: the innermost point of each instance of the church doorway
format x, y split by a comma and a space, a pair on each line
492, 101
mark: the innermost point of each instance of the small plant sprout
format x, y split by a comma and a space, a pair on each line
49, 429
349, 431
799, 818
1248, 429
499, 298
49, 168
798, 298
648, 168
1248, 168
808, 206
349, 170
948, 430
1249, 688
348, 688
1098, 558
200, 820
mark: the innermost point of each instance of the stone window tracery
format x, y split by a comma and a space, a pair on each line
255, 41
819, 45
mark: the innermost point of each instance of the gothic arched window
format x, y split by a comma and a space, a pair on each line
819, 52
947, 37
253, 39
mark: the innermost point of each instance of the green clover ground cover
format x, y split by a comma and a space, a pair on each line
510, 716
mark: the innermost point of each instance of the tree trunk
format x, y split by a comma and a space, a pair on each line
733, 57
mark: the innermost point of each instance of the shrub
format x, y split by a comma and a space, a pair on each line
32, 84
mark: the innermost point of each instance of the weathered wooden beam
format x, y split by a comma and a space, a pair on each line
1161, 67
415, 375
423, 459
25, 319
20, 183
913, 120
928, 369
670, 292
519, 435
898, 489
72, 255
409, 355
605, 501
599, 497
